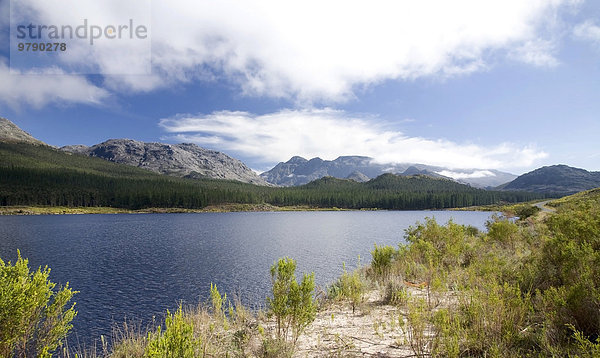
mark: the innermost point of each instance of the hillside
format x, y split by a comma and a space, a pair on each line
41, 175
298, 171
395, 192
555, 179
127, 174
180, 160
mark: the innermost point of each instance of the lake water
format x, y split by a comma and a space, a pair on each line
136, 266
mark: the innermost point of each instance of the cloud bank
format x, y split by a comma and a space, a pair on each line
328, 133
323, 51
37, 89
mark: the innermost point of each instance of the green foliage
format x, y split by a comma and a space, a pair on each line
217, 302
177, 339
502, 230
418, 319
350, 286
381, 261
526, 210
395, 292
292, 304
525, 288
586, 348
34, 318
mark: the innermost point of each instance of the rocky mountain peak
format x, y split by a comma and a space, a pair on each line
10, 132
182, 160
298, 171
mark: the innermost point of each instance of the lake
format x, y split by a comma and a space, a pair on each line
135, 266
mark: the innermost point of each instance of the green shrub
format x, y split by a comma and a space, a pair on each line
34, 319
524, 211
418, 319
502, 230
586, 348
490, 321
177, 340
381, 261
350, 286
395, 292
217, 302
292, 304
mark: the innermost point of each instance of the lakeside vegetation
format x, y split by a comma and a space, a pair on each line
40, 176
221, 208
525, 288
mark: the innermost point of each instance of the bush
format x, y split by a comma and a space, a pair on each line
502, 230
350, 286
381, 261
395, 292
524, 211
292, 304
177, 340
489, 321
34, 319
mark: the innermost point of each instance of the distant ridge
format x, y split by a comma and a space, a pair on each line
555, 179
298, 171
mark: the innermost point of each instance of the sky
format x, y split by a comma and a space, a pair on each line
511, 85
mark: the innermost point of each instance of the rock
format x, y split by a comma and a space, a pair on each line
10, 132
298, 171
181, 160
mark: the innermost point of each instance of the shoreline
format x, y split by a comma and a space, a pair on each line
223, 208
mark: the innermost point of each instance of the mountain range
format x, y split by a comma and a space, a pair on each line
190, 161
298, 171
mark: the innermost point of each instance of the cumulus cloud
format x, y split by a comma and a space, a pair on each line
49, 86
323, 50
328, 133
473, 175
326, 50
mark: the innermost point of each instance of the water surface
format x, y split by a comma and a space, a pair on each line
135, 266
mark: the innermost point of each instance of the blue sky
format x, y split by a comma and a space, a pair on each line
508, 85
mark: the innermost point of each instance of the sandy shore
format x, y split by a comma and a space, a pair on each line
374, 330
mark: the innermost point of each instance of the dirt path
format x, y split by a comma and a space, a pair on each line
543, 207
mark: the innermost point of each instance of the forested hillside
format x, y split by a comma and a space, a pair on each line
41, 175
555, 179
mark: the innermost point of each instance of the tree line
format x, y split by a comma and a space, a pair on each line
36, 175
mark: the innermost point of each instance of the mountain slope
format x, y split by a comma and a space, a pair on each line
42, 175
298, 171
10, 132
181, 160
555, 179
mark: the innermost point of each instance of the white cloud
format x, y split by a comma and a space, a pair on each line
462, 175
315, 50
587, 31
50, 86
323, 50
536, 52
328, 133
